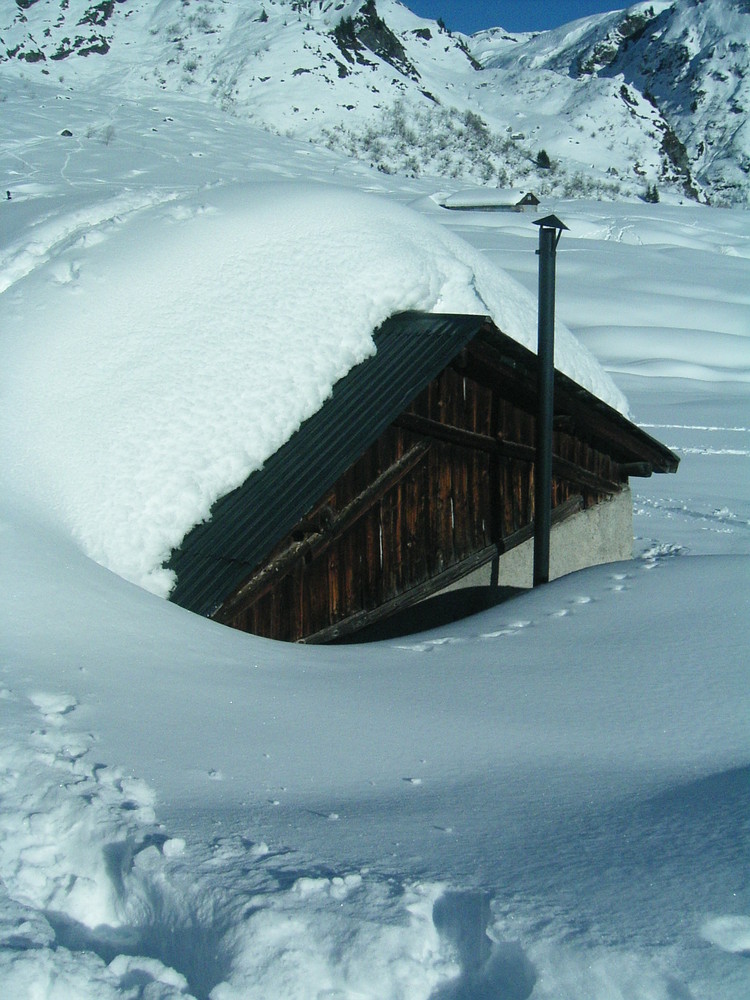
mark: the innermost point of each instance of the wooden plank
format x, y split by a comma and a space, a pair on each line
417, 524
434, 539
460, 502
315, 543
390, 522
429, 587
404, 600
334, 599
446, 432
444, 474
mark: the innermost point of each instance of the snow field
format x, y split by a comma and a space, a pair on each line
547, 801
228, 922
249, 894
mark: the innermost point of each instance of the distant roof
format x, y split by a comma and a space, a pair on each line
489, 198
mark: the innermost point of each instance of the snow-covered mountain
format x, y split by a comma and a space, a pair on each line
654, 98
547, 800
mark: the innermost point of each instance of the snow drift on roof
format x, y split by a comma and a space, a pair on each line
153, 365
485, 198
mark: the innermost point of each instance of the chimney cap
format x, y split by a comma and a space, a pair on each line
550, 222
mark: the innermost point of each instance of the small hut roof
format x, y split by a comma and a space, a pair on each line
488, 198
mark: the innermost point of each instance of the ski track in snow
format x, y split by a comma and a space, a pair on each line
730, 516
83, 228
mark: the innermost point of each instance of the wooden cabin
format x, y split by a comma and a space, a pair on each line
491, 200
414, 474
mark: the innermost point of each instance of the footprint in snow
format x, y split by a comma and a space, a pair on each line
513, 628
429, 644
730, 933
173, 847
53, 705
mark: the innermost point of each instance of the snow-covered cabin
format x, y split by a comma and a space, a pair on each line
490, 200
413, 478
299, 409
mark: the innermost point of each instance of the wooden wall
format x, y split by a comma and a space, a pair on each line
447, 485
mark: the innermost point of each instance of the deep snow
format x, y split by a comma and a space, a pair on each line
187, 810
173, 353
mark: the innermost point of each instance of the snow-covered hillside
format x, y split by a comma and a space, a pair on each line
680, 74
652, 99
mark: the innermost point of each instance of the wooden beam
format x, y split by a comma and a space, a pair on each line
578, 476
313, 544
512, 370
429, 588
560, 513
644, 470
446, 432
562, 468
371, 495
412, 596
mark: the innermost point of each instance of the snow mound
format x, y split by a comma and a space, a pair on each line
167, 355
731, 934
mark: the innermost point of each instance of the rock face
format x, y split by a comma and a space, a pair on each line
656, 96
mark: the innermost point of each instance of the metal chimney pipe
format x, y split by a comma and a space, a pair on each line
550, 231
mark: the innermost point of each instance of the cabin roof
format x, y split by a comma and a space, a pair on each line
412, 349
488, 198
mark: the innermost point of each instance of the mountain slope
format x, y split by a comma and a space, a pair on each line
620, 102
683, 70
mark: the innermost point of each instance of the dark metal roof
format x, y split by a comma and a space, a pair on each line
216, 556
619, 437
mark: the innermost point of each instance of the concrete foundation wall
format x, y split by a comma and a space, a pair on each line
601, 534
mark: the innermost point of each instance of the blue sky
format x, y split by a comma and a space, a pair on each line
515, 15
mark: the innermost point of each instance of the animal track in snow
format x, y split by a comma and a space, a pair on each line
428, 645
512, 628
